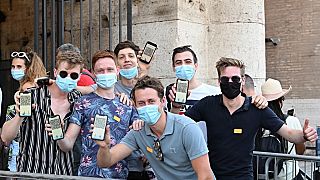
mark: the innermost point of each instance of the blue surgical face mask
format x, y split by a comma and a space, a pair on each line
185, 72
149, 114
66, 84
129, 73
17, 74
106, 81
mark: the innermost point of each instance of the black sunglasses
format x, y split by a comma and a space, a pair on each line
225, 79
157, 148
73, 75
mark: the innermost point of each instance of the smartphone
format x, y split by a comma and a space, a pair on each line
100, 123
55, 123
182, 87
25, 104
43, 81
148, 52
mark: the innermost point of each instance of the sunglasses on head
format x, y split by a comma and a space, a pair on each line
20, 55
73, 75
157, 148
225, 79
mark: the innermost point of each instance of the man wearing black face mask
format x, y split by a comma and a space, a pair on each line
232, 122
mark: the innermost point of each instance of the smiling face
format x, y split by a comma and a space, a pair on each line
127, 58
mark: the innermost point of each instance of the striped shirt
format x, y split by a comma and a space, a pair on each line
39, 153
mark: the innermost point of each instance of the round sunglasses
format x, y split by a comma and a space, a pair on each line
73, 75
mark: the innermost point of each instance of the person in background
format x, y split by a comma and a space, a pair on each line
130, 69
274, 93
26, 67
248, 87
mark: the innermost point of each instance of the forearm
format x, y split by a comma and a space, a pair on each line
205, 176
11, 128
65, 144
104, 157
295, 136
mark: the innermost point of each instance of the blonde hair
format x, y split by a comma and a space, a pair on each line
34, 69
225, 62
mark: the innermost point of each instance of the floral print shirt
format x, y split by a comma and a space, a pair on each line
120, 117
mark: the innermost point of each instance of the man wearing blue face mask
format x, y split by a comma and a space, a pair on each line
38, 152
185, 66
173, 144
102, 102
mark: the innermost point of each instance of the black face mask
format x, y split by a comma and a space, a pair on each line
231, 89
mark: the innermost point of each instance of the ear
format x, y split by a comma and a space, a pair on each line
55, 71
196, 66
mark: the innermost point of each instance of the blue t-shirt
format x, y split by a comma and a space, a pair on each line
120, 116
231, 137
181, 142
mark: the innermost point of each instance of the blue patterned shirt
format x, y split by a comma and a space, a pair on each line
120, 116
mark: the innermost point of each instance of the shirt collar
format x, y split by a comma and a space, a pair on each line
244, 107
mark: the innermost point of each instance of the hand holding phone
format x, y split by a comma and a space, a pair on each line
55, 123
148, 52
25, 104
43, 81
100, 123
181, 95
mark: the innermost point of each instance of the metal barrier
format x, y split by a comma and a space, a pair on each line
307, 164
24, 175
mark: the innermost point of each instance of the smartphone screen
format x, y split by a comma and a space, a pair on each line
99, 128
55, 123
148, 52
181, 91
25, 104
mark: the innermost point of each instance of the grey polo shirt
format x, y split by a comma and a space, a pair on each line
181, 142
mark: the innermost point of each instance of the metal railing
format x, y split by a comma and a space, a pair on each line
24, 175
308, 165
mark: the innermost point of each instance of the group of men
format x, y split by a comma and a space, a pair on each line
173, 144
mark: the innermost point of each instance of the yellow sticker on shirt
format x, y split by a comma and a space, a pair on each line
237, 131
149, 149
116, 118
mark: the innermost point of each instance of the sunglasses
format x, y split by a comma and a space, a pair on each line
73, 75
20, 55
225, 79
157, 148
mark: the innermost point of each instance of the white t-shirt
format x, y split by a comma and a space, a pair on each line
292, 123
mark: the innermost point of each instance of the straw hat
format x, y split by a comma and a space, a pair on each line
272, 90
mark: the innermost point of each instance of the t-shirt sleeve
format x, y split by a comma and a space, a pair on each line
130, 140
77, 115
293, 123
195, 112
270, 120
193, 141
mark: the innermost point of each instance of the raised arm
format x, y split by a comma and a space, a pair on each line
107, 157
298, 136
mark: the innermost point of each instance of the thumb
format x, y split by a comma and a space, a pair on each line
306, 124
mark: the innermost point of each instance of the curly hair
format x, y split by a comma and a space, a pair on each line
71, 57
